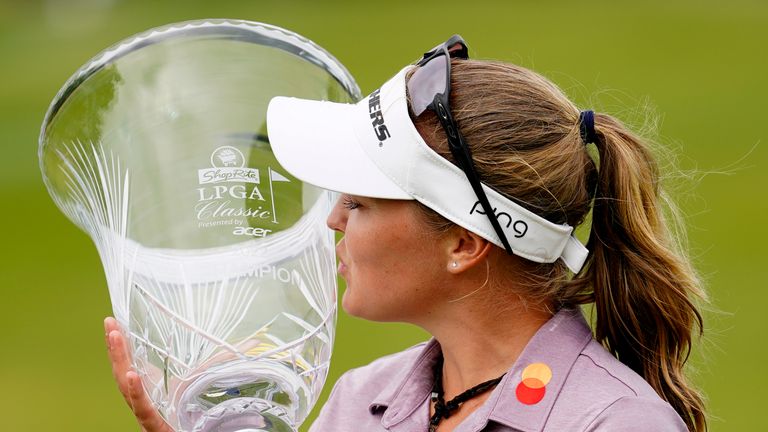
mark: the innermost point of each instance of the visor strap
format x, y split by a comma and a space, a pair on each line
574, 254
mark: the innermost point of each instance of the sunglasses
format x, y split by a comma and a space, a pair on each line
429, 88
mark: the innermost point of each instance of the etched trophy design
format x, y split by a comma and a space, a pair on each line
220, 268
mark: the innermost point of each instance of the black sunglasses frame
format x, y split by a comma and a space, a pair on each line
455, 47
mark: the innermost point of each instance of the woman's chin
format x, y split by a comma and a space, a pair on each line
351, 307
346, 302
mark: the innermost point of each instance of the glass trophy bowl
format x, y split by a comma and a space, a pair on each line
220, 268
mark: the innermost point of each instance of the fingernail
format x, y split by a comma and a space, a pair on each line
110, 342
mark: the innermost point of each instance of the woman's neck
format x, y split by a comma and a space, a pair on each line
480, 344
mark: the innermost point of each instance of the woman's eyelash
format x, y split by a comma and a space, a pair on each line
350, 204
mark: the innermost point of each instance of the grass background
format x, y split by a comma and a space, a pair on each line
700, 66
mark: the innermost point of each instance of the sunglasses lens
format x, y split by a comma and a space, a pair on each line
426, 82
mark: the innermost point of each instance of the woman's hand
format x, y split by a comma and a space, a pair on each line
128, 381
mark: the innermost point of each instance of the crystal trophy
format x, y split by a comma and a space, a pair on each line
221, 271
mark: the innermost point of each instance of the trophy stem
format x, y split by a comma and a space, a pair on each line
245, 396
246, 415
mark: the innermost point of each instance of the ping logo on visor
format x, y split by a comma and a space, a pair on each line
377, 118
519, 226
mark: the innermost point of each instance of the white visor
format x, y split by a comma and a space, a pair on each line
372, 149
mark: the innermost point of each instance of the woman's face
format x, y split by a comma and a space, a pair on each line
391, 261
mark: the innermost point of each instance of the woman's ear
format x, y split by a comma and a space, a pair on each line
466, 250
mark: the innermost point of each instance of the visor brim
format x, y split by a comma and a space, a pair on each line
315, 141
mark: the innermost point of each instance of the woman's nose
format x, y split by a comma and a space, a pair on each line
337, 220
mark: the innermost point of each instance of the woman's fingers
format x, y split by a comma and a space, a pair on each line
145, 412
118, 355
128, 381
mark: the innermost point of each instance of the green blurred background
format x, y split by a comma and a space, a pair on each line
701, 67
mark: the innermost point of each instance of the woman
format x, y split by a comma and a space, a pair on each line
462, 181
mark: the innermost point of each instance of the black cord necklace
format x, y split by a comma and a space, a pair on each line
444, 409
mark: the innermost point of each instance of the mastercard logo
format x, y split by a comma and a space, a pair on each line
534, 382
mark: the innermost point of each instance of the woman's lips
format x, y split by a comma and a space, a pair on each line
342, 267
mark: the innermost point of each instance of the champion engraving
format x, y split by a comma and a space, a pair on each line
518, 226
377, 118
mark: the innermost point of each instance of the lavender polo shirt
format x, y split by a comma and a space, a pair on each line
564, 380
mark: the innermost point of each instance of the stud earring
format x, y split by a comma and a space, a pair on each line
454, 264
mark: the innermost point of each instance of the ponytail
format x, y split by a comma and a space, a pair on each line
643, 288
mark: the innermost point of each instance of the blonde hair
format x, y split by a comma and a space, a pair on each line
524, 136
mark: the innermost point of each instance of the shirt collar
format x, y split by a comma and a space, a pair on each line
401, 397
547, 359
